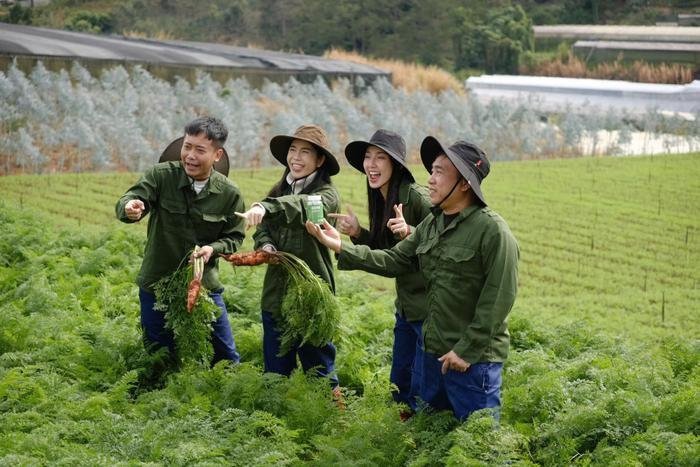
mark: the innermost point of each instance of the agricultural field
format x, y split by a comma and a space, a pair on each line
604, 365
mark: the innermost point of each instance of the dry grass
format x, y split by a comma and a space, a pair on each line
409, 76
573, 67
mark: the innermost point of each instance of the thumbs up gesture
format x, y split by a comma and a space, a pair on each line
398, 225
347, 223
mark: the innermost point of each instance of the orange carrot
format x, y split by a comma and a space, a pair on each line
250, 258
195, 284
192, 293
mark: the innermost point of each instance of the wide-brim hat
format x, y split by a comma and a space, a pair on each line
388, 141
172, 153
468, 158
279, 145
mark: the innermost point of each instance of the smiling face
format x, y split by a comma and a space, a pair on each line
303, 158
378, 168
198, 155
443, 177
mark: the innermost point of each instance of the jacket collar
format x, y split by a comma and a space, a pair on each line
463, 214
300, 184
214, 186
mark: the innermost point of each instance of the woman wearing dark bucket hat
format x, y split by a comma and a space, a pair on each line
279, 218
469, 259
396, 205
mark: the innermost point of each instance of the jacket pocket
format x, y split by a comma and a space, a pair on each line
459, 254
214, 218
461, 261
174, 215
211, 227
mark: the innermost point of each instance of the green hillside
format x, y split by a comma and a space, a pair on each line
457, 35
603, 369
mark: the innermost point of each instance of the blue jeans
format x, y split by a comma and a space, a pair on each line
463, 393
320, 359
155, 334
408, 348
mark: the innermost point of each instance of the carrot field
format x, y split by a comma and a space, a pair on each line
604, 365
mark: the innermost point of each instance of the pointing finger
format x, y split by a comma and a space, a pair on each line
240, 214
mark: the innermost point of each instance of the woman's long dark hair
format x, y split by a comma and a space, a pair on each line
282, 187
381, 210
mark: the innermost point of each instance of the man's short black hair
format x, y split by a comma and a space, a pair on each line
210, 126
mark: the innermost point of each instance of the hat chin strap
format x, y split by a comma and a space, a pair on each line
450, 193
305, 180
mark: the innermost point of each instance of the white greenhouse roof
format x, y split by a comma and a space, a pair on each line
619, 33
552, 92
637, 45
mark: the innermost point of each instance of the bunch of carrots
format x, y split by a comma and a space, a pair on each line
189, 311
309, 311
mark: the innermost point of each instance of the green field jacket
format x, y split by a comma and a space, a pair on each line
180, 219
410, 287
283, 227
471, 271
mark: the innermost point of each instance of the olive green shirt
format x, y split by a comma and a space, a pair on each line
471, 270
180, 219
283, 227
410, 287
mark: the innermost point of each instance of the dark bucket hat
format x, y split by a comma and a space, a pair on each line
388, 141
279, 145
468, 158
172, 153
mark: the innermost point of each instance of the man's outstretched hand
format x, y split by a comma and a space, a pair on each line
327, 235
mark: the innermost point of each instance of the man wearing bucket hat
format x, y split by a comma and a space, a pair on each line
309, 165
396, 204
190, 204
469, 259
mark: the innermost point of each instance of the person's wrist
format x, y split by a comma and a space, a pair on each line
269, 247
260, 207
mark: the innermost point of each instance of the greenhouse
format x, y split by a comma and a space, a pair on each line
548, 93
168, 58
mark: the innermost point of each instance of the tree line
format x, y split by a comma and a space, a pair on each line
455, 35
458, 35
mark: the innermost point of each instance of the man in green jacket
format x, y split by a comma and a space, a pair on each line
190, 204
469, 259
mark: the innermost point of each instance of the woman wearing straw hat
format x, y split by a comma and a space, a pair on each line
280, 217
396, 204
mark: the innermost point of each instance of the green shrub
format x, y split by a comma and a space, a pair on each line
18, 14
89, 21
